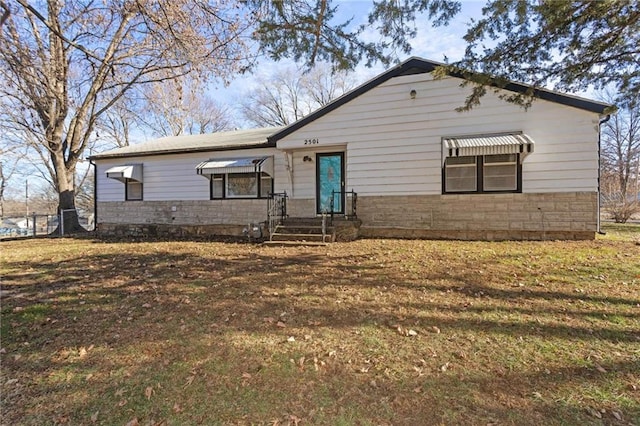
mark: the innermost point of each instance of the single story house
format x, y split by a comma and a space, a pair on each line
393, 155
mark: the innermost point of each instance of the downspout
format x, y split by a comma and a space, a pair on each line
95, 195
600, 123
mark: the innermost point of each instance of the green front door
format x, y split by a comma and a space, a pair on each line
330, 182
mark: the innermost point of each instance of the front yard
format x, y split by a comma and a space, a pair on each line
368, 332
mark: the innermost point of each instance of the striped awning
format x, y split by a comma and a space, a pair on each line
221, 166
126, 172
504, 143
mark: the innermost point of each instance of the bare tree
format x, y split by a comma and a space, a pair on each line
114, 128
620, 178
290, 94
10, 157
68, 64
182, 107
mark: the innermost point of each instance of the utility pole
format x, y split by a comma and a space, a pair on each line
26, 195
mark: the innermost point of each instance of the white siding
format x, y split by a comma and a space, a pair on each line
393, 142
174, 177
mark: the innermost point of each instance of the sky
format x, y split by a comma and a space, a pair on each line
430, 43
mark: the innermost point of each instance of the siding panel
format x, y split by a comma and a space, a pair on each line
394, 142
172, 177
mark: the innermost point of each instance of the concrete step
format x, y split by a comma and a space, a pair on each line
302, 229
286, 236
295, 244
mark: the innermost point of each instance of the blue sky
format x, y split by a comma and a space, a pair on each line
430, 43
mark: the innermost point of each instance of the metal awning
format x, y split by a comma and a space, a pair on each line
221, 166
126, 172
504, 143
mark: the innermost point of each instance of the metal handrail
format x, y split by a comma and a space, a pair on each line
352, 212
276, 210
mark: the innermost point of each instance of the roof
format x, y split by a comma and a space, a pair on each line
254, 138
267, 137
417, 65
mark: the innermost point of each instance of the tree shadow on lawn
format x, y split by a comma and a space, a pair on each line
257, 286
148, 312
218, 378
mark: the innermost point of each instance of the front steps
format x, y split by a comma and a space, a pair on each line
302, 232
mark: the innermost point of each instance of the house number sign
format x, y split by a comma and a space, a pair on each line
313, 141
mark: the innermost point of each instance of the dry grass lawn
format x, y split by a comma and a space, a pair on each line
369, 332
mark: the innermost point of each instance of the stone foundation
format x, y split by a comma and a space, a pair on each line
545, 216
171, 231
180, 218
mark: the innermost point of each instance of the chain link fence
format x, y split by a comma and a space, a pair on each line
39, 225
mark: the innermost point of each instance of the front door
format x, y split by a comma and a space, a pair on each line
330, 182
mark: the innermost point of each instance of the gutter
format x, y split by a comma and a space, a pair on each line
600, 123
95, 195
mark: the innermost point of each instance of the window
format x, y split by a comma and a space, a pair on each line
482, 173
500, 172
241, 185
133, 190
461, 174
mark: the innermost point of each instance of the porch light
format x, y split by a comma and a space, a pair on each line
413, 94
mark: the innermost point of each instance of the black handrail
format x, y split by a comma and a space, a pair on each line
352, 212
276, 210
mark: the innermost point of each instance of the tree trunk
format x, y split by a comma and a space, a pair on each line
65, 182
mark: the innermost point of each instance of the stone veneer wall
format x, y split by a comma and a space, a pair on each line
180, 218
297, 207
543, 216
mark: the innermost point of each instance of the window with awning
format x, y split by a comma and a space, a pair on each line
131, 176
126, 172
496, 144
236, 165
484, 163
243, 177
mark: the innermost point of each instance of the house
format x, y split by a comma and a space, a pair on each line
393, 157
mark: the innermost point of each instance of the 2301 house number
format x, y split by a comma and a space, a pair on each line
311, 141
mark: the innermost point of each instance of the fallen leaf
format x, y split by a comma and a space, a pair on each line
94, 417
82, 353
445, 367
177, 408
291, 339
120, 392
11, 382
246, 375
148, 392
281, 324
132, 422
190, 380
412, 333
435, 329
146, 305
600, 368
594, 413
122, 403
